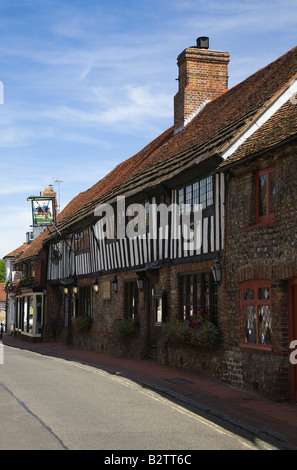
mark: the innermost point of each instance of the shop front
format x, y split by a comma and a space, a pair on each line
29, 308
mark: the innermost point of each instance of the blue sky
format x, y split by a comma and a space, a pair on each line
89, 83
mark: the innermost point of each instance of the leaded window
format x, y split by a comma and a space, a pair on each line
193, 195
257, 313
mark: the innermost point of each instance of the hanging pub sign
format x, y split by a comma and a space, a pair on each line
43, 210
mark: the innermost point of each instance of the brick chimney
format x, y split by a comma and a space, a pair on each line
203, 76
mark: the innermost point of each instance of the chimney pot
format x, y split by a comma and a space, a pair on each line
203, 42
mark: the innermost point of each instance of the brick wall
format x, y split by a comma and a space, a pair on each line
203, 75
105, 313
40, 267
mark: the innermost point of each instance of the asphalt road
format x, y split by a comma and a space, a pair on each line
48, 403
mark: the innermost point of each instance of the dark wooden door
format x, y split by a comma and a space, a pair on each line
292, 291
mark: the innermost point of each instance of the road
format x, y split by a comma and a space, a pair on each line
50, 403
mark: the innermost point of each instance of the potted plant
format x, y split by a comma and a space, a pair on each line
196, 330
81, 323
126, 326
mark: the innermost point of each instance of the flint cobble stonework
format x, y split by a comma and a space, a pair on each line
259, 252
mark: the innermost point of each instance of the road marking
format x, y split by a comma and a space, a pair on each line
153, 395
30, 412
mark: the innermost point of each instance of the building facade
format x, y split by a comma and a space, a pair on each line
26, 269
186, 252
260, 258
11, 276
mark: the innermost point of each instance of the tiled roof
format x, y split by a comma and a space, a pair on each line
209, 133
281, 127
18, 251
122, 172
34, 247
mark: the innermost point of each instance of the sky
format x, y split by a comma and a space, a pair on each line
85, 84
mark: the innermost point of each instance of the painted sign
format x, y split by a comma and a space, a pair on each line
43, 211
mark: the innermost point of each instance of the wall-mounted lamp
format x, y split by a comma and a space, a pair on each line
65, 290
115, 284
96, 286
217, 271
74, 288
139, 283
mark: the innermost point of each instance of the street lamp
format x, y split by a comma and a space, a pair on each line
74, 288
217, 271
96, 286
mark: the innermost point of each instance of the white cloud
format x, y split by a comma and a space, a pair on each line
132, 105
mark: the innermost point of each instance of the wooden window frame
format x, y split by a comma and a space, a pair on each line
268, 218
130, 299
199, 192
82, 240
197, 292
85, 304
256, 302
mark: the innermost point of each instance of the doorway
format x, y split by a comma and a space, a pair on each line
292, 298
156, 310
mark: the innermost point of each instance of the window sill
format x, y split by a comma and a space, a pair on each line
258, 347
259, 225
26, 333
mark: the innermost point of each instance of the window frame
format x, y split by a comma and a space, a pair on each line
199, 193
269, 217
197, 292
29, 322
85, 301
257, 303
82, 241
131, 299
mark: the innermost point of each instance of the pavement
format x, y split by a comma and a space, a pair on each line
246, 411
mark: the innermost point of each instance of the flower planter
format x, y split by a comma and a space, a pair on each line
81, 324
125, 327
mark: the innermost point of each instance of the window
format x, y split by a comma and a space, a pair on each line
256, 313
29, 314
200, 192
85, 301
198, 293
131, 299
265, 195
82, 240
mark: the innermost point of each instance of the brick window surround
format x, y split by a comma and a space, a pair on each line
265, 196
256, 314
